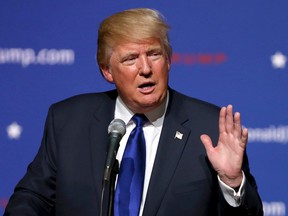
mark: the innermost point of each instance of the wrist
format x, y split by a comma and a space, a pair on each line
233, 182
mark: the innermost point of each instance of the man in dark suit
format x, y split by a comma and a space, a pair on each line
196, 162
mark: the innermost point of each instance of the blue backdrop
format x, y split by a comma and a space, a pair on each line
224, 52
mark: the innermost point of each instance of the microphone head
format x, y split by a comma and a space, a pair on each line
117, 126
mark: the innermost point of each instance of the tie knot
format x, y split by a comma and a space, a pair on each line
139, 119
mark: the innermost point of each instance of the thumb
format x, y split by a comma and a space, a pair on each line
207, 142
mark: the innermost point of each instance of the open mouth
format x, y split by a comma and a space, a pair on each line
146, 85
147, 88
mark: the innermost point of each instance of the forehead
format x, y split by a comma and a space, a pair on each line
142, 46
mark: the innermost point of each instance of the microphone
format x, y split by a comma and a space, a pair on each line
116, 131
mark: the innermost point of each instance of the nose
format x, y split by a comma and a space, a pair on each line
144, 65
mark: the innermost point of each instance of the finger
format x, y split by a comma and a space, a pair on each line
222, 116
244, 137
207, 142
229, 122
237, 124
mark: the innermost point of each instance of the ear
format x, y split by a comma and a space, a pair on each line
107, 73
168, 64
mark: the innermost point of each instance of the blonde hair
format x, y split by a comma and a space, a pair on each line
134, 25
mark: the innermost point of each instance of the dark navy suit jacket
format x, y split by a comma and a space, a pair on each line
65, 178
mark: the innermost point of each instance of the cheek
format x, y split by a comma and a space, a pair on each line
125, 81
162, 67
163, 73
127, 75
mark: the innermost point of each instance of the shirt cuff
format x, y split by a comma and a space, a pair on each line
231, 196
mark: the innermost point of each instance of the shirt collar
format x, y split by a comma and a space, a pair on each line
156, 117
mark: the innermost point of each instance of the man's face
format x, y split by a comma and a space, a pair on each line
140, 73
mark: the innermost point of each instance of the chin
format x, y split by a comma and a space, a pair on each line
149, 106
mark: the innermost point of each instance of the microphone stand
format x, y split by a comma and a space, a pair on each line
114, 173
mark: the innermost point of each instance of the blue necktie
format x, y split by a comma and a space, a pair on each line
129, 188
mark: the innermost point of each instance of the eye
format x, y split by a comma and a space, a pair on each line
155, 55
129, 60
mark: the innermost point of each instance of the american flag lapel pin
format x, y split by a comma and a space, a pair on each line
178, 135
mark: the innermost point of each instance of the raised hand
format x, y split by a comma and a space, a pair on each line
227, 156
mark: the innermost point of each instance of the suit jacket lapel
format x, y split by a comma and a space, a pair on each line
172, 142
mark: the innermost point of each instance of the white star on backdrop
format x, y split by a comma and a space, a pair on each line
14, 130
278, 60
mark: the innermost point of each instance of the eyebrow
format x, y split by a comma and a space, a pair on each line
134, 53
